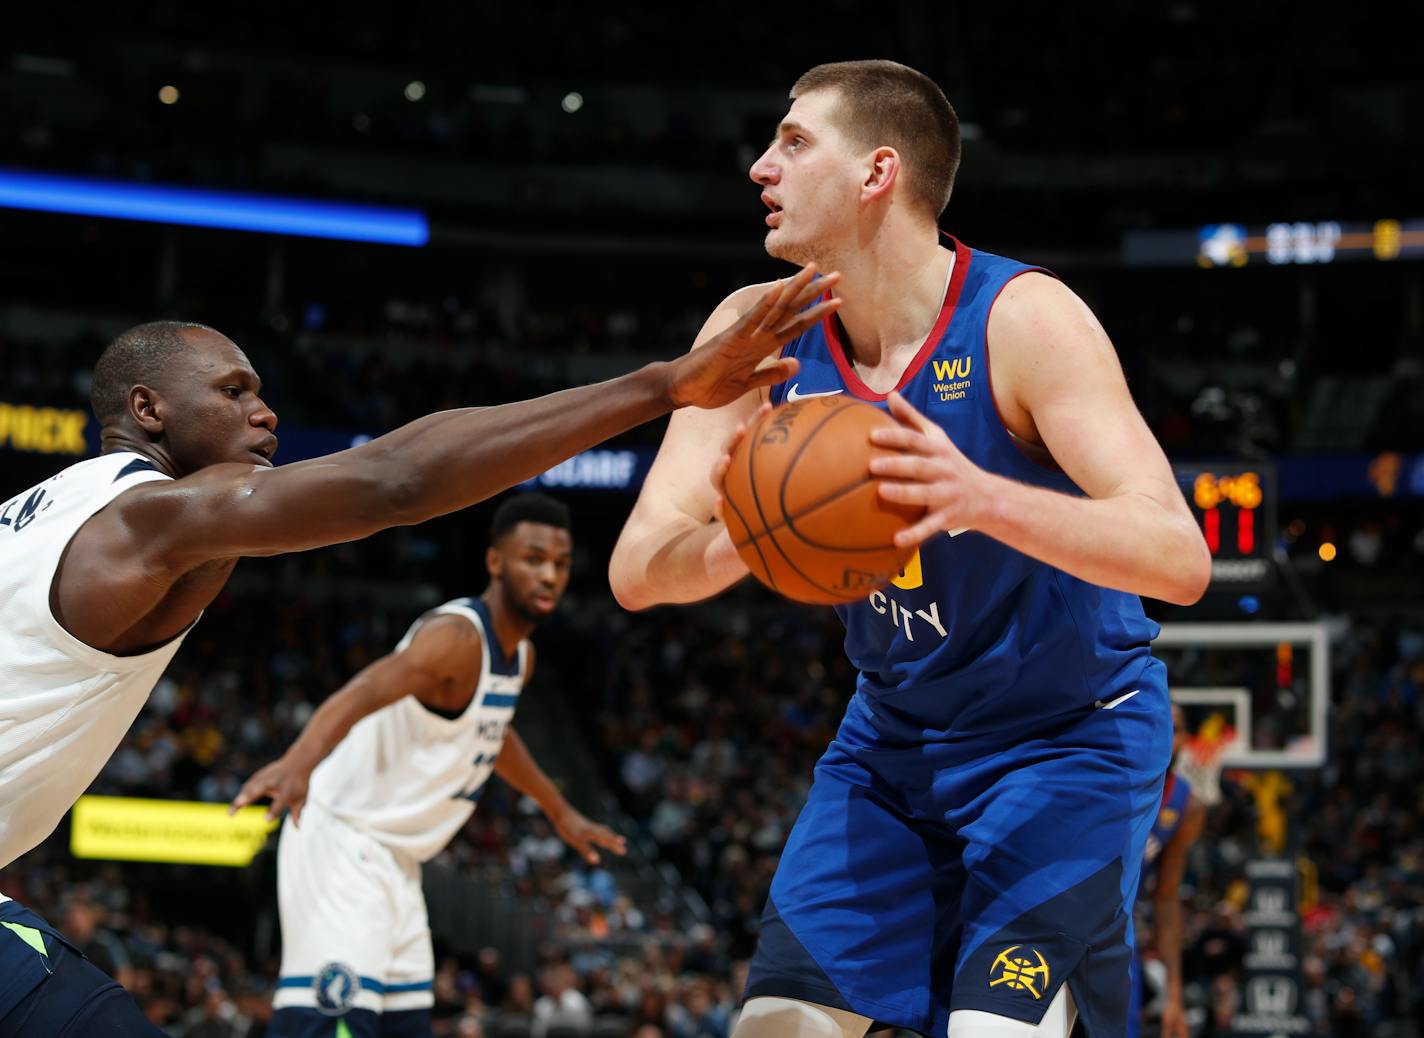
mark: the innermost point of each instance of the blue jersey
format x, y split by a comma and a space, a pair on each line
975, 639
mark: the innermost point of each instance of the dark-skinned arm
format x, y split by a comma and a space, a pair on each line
1167, 916
449, 460
444, 654
516, 765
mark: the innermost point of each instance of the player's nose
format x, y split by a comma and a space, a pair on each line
764, 171
263, 416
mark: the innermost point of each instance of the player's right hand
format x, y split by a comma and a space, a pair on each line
729, 364
284, 782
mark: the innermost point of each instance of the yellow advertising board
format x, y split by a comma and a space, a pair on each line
178, 831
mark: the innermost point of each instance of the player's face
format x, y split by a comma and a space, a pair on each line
811, 180
210, 408
532, 563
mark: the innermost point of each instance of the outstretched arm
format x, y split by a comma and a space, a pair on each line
127, 559
443, 656
449, 460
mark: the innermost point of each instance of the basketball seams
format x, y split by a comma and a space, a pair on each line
841, 407
782, 530
806, 513
751, 537
767, 530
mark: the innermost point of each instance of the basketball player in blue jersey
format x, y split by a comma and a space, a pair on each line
968, 856
106, 566
1178, 823
401, 754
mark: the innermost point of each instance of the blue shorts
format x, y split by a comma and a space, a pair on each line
49, 990
945, 875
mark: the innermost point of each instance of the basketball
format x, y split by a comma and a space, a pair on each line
802, 507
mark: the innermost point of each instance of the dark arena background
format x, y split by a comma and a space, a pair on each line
543, 195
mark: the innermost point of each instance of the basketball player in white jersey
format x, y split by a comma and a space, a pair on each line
105, 567
401, 755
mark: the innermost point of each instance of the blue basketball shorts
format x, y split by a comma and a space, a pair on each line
921, 879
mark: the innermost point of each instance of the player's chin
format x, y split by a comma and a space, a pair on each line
538, 607
778, 247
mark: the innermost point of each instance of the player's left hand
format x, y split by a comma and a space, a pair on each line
584, 834
1174, 1020
929, 470
724, 460
284, 782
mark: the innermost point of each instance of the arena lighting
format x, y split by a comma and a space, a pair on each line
198, 207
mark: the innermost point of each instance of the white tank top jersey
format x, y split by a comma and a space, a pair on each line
410, 777
64, 706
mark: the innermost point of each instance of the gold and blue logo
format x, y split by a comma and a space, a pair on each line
1020, 969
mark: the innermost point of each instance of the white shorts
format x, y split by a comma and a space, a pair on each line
355, 934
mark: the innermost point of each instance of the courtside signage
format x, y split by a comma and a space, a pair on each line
178, 831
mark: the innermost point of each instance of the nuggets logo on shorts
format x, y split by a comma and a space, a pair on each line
335, 985
1017, 971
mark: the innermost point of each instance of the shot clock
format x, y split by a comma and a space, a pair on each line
1235, 505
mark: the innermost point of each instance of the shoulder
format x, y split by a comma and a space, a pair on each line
1045, 341
727, 312
1032, 301
448, 638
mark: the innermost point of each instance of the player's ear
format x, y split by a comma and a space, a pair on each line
881, 174
145, 409
494, 561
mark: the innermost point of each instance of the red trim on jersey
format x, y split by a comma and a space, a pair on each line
1034, 452
962, 256
1167, 788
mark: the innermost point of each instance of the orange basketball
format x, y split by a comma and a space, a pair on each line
802, 507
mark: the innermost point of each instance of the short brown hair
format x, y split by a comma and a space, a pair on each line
884, 102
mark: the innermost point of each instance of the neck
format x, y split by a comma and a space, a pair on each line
892, 289
115, 441
509, 627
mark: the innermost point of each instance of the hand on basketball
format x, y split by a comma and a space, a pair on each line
724, 460
929, 470
584, 834
726, 367
283, 782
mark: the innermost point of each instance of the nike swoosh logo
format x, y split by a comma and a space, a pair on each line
1116, 702
793, 394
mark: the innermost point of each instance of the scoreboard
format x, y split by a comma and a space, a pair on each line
1284, 243
1235, 506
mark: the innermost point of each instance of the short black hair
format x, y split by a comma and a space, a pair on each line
136, 357
529, 508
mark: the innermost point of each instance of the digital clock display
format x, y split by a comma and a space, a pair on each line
1234, 504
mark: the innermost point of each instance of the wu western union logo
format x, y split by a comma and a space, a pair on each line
1015, 970
43, 430
952, 377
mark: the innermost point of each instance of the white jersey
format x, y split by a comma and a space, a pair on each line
410, 777
64, 706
